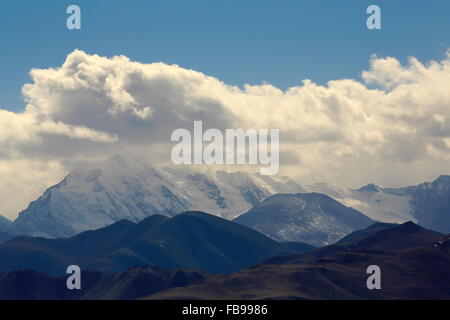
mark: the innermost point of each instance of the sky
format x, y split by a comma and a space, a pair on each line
354, 106
279, 42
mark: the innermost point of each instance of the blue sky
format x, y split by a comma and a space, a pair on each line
280, 42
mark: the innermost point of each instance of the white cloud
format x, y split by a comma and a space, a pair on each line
392, 129
24, 180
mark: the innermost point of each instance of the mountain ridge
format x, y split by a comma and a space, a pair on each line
122, 188
306, 217
118, 188
419, 269
193, 240
376, 238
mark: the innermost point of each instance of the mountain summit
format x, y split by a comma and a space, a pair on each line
122, 188
307, 217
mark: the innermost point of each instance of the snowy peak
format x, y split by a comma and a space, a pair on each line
105, 192
121, 188
312, 218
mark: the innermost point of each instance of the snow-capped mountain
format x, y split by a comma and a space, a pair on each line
379, 204
131, 189
427, 204
313, 218
125, 188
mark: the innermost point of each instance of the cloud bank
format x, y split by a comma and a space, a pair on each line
393, 128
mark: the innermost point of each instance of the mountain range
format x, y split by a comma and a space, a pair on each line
427, 204
123, 188
192, 240
126, 188
414, 264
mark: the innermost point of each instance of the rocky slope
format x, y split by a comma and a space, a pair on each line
306, 217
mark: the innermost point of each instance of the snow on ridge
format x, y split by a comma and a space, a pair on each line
121, 188
129, 188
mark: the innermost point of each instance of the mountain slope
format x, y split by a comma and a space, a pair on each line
418, 273
359, 234
414, 269
129, 284
430, 203
375, 238
4, 237
391, 238
191, 240
4, 224
125, 188
427, 204
121, 188
312, 218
